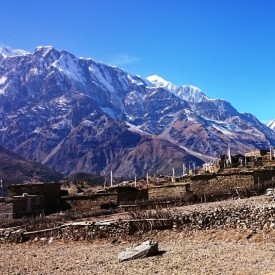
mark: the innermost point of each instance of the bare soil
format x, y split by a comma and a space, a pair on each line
182, 252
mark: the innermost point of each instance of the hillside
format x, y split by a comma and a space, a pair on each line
15, 169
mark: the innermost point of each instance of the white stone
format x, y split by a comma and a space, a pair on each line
147, 248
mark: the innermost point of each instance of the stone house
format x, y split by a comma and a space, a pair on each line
50, 192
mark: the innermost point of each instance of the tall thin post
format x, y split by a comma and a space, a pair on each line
104, 185
183, 169
173, 174
1, 186
111, 178
229, 154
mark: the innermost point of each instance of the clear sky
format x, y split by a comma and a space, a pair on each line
224, 47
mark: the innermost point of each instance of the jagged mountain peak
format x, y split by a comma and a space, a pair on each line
189, 93
158, 81
11, 52
43, 48
43, 52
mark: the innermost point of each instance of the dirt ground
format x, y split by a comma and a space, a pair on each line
222, 251
202, 252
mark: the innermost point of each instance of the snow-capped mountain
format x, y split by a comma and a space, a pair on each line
186, 92
9, 52
271, 125
75, 114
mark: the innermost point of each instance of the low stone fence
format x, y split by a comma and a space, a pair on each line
250, 217
257, 218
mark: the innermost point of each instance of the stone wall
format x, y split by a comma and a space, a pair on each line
250, 217
82, 204
27, 205
209, 187
221, 183
49, 191
131, 194
121, 196
264, 179
167, 191
6, 211
246, 217
249, 182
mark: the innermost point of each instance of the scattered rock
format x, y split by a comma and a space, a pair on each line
114, 241
249, 236
50, 240
269, 192
145, 249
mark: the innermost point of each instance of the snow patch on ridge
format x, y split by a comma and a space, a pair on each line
94, 70
190, 93
68, 65
44, 49
187, 92
10, 52
135, 129
224, 130
135, 80
158, 81
3, 79
271, 125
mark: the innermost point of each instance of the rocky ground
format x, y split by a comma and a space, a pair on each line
182, 252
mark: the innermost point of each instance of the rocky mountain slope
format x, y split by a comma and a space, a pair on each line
75, 114
15, 169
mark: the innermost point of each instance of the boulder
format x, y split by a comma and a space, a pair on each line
270, 192
145, 249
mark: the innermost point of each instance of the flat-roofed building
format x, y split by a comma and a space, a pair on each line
49, 191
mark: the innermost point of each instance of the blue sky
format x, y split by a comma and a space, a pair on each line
224, 47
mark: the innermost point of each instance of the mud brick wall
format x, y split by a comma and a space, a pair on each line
264, 178
49, 191
5, 210
168, 191
218, 184
130, 194
82, 204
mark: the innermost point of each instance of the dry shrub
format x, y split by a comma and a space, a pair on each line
153, 219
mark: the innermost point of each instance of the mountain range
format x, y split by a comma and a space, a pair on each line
78, 115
